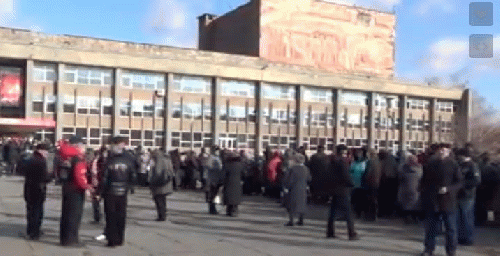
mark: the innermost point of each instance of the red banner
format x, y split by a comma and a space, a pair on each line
10, 90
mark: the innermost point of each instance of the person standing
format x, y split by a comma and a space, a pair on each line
441, 181
35, 190
215, 179
408, 194
466, 197
357, 170
388, 184
75, 183
96, 170
340, 189
318, 166
161, 182
295, 184
234, 171
371, 183
118, 178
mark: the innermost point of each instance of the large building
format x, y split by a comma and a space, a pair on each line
169, 97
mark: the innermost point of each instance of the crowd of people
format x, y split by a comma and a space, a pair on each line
456, 186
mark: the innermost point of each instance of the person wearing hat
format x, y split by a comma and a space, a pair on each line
341, 185
72, 157
440, 184
35, 182
118, 177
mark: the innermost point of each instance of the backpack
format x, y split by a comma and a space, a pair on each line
66, 168
160, 180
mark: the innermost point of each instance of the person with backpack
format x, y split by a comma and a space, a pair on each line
161, 182
73, 174
118, 178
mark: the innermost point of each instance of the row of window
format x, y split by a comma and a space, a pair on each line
92, 136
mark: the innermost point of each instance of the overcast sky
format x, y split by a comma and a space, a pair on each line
431, 36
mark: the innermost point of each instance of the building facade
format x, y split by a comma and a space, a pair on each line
317, 33
168, 97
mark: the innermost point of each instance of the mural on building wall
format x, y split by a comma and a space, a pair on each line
10, 87
327, 36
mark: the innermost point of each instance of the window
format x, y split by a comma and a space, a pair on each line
445, 106
107, 106
45, 135
319, 119
237, 88
318, 95
237, 114
69, 104
278, 92
418, 104
364, 19
190, 111
44, 72
88, 105
87, 75
125, 108
49, 104
159, 108
142, 80
142, 108
354, 98
386, 101
192, 84
279, 116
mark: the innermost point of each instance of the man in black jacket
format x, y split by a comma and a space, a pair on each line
118, 177
466, 197
441, 181
341, 187
36, 179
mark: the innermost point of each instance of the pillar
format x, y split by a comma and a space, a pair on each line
28, 105
433, 134
117, 85
59, 101
258, 119
337, 106
215, 110
371, 117
403, 109
299, 102
167, 138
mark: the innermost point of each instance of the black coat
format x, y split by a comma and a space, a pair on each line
438, 173
234, 170
36, 179
319, 168
340, 180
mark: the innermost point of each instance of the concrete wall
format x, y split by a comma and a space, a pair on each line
327, 36
236, 32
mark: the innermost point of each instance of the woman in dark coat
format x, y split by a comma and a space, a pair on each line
295, 184
408, 195
234, 169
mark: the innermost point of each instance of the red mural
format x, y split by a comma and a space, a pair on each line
328, 36
10, 90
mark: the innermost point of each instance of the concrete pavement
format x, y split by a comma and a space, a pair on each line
190, 230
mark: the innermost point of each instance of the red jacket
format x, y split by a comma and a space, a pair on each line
274, 167
80, 179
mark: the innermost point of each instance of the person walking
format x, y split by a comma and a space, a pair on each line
466, 197
441, 181
161, 182
73, 171
234, 172
340, 189
118, 178
35, 190
295, 184
408, 194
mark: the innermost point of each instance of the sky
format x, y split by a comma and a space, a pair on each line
432, 36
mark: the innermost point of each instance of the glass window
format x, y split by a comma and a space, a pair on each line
318, 95
354, 98
237, 88
44, 72
125, 108
278, 92
192, 84
384, 101
87, 75
143, 80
